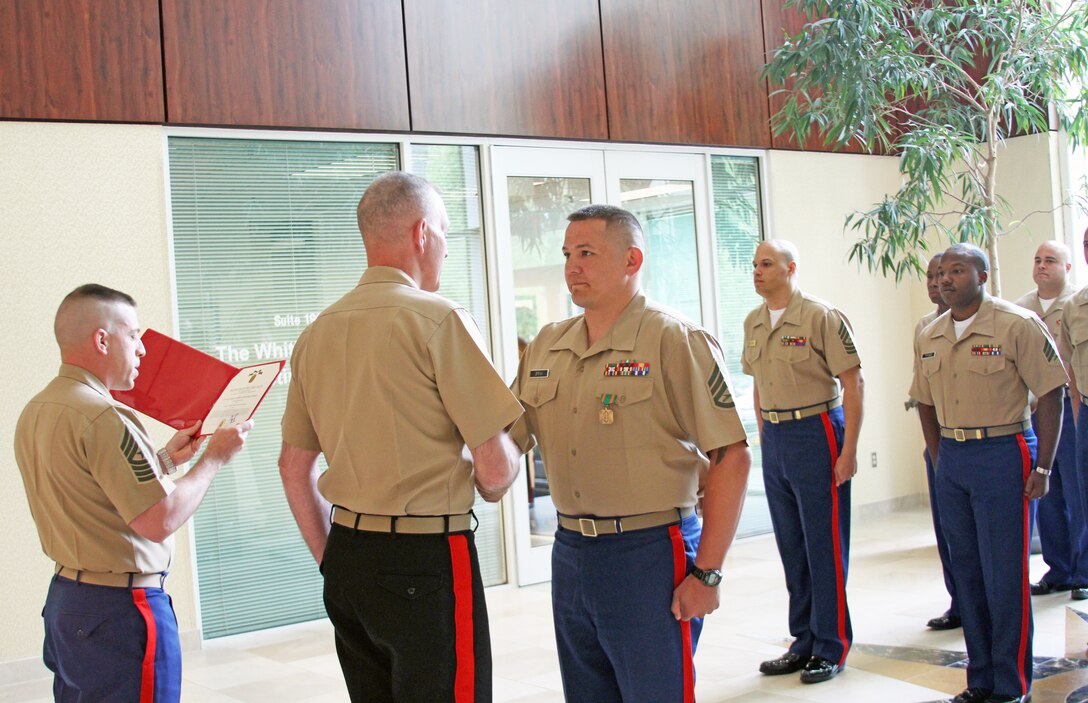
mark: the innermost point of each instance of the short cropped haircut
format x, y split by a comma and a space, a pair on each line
616, 219
99, 292
393, 197
971, 252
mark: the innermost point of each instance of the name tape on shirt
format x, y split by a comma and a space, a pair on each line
929, 355
539, 373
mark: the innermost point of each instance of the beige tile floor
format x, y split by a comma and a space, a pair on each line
894, 587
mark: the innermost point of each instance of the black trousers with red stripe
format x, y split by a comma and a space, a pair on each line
409, 614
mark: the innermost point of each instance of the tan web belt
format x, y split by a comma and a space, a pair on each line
962, 434
595, 526
403, 524
111, 579
777, 416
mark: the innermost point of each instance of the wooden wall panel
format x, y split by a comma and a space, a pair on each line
81, 60
685, 72
326, 64
511, 67
777, 22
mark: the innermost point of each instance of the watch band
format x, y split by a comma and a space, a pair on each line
168, 466
1041, 470
709, 577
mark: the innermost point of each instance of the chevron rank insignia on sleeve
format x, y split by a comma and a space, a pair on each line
847, 338
1049, 351
719, 390
141, 467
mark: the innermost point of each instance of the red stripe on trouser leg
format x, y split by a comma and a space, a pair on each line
680, 572
147, 670
1025, 597
464, 682
836, 538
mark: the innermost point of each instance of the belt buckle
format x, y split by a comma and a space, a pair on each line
772, 416
959, 434
797, 415
583, 522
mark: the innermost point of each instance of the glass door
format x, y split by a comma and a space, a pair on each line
535, 190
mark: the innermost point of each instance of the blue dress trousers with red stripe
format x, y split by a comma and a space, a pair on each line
942, 543
611, 598
985, 518
111, 645
811, 519
1063, 532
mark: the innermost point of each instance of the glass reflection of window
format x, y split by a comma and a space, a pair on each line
666, 210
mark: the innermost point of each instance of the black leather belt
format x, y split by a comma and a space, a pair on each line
595, 526
404, 524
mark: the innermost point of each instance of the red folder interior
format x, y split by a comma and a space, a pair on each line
177, 384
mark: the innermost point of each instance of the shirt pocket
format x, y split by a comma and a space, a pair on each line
984, 384
632, 412
538, 397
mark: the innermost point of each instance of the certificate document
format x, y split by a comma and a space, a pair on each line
179, 385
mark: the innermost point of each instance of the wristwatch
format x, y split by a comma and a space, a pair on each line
166, 461
1041, 470
709, 577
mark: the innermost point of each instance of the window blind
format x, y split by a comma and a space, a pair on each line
737, 232
265, 238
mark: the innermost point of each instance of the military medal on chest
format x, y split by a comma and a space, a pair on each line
606, 415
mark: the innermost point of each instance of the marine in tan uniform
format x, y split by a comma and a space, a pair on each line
632, 409
1063, 533
800, 349
393, 385
949, 619
973, 369
104, 510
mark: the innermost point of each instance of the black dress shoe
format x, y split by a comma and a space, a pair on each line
788, 663
973, 695
1079, 593
945, 622
998, 698
1043, 588
819, 669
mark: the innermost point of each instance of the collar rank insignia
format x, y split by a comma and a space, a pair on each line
628, 367
538, 373
986, 350
794, 341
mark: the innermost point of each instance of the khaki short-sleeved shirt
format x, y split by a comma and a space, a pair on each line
1074, 338
390, 383
983, 379
1052, 318
89, 469
668, 393
795, 362
926, 319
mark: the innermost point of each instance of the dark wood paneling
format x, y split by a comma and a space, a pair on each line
80, 60
778, 21
510, 67
685, 72
336, 64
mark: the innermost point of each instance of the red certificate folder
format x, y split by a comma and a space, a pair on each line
179, 385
